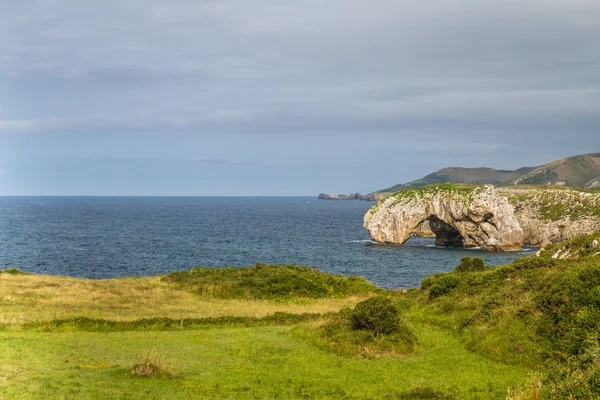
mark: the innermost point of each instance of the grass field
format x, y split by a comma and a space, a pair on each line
263, 362
527, 330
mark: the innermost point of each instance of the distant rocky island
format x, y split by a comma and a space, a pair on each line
351, 196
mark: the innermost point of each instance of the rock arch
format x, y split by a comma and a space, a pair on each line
445, 234
476, 218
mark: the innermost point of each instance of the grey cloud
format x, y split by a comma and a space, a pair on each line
384, 70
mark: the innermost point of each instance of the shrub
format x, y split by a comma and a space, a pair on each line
378, 315
13, 271
430, 280
533, 262
468, 264
442, 285
374, 328
571, 308
436, 290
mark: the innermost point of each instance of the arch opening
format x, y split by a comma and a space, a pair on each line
445, 234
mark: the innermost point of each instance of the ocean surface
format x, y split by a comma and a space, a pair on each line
105, 237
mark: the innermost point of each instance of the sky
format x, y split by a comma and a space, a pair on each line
282, 97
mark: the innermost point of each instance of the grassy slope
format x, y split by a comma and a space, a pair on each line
533, 323
475, 176
245, 358
537, 311
575, 171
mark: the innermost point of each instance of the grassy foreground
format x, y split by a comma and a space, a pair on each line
262, 362
527, 330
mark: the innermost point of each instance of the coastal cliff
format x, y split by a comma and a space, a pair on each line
495, 219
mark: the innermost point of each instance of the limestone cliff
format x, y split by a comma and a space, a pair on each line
554, 215
494, 219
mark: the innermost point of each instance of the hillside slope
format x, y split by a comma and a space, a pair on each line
578, 171
473, 176
540, 310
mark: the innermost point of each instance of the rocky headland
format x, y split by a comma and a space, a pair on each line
495, 219
351, 196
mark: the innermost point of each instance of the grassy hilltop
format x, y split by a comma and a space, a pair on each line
581, 171
526, 330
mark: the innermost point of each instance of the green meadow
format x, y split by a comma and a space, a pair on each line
527, 330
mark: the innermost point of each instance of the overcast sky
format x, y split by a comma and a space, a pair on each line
282, 97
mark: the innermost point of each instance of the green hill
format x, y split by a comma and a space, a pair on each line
578, 171
474, 176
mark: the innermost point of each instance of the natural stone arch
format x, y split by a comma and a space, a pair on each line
445, 234
476, 218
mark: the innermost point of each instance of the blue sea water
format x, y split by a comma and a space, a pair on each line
105, 237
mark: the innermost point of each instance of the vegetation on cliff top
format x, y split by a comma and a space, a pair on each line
457, 188
556, 204
551, 203
463, 190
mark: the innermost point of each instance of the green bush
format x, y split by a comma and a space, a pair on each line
378, 315
571, 309
430, 280
13, 271
374, 328
468, 264
533, 262
442, 285
267, 281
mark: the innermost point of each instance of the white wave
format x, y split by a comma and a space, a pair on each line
360, 241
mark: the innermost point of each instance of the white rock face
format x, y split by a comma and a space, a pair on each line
552, 216
480, 218
495, 219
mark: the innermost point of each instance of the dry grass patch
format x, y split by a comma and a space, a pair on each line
31, 298
151, 366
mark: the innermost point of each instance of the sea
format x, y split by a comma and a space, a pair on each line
107, 237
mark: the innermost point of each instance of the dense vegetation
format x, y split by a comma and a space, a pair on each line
553, 205
537, 311
267, 281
